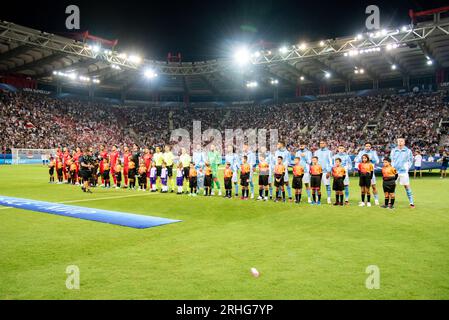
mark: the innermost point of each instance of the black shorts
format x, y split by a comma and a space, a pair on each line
131, 173
186, 173
158, 170
228, 183
170, 171
193, 182
208, 181
142, 180
118, 176
338, 184
106, 174
365, 181
297, 182
51, 171
278, 180
59, 172
263, 180
315, 181
389, 185
244, 180
85, 174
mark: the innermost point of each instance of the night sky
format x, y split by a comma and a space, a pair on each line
203, 30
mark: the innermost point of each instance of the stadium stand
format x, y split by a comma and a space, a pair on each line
29, 120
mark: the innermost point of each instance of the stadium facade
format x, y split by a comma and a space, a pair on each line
414, 56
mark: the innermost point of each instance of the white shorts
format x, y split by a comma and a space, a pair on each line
286, 176
373, 180
346, 181
306, 178
403, 179
326, 181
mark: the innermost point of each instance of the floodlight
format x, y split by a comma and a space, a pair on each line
283, 49
135, 59
242, 56
96, 48
150, 74
252, 84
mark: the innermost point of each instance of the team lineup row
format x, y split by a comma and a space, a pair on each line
200, 171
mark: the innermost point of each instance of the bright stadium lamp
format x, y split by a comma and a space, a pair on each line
327, 75
283, 49
301, 78
393, 67
135, 59
242, 56
123, 56
96, 48
429, 62
150, 74
252, 84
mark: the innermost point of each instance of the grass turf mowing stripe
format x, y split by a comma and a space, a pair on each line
105, 216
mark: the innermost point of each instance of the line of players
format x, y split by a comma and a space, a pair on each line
201, 171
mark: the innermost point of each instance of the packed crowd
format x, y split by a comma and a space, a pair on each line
37, 121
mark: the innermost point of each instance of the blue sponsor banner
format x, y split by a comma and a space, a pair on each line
105, 216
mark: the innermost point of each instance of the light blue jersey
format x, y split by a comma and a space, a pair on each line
199, 158
305, 157
285, 154
324, 159
233, 159
252, 160
371, 154
346, 161
401, 159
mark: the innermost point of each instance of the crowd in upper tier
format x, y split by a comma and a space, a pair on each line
38, 121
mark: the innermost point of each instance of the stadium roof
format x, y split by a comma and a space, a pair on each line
406, 52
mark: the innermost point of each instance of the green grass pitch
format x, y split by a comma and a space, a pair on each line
302, 252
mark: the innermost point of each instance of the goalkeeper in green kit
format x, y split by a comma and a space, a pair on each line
214, 158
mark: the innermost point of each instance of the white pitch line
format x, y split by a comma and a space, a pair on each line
95, 199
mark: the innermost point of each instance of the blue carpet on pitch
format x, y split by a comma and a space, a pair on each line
105, 216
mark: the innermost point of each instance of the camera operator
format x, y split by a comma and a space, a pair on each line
86, 162
96, 158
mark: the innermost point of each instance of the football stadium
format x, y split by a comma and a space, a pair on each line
304, 170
